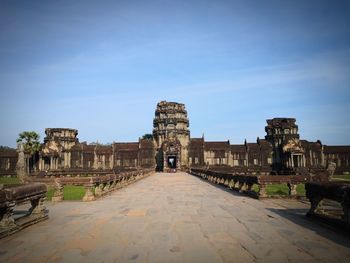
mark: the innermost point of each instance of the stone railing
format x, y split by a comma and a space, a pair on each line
244, 183
95, 186
12, 197
317, 192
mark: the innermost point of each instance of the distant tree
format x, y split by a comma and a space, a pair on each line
147, 136
31, 145
30, 141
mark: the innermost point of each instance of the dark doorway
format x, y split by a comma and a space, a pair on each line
159, 161
296, 161
172, 162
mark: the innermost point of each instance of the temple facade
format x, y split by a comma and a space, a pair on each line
171, 136
171, 148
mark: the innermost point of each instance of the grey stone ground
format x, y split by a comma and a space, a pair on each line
176, 218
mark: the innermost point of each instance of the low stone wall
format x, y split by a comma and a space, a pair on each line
96, 186
317, 192
11, 197
244, 183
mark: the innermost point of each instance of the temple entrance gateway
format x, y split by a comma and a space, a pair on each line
171, 136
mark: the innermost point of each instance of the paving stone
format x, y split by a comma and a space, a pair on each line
176, 218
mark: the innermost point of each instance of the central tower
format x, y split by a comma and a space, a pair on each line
171, 136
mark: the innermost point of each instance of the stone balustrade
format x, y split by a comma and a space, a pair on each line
96, 186
244, 183
15, 197
317, 192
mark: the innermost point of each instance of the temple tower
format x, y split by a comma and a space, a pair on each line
171, 136
288, 152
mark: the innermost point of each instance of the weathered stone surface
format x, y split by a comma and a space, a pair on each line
177, 218
12, 219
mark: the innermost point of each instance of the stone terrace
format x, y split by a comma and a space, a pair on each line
176, 218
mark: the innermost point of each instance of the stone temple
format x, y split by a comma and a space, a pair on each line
171, 148
171, 136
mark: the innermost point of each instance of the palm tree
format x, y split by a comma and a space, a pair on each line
31, 144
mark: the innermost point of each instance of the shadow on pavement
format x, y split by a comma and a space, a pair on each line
298, 216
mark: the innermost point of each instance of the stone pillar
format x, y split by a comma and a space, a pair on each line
226, 182
6, 215
89, 192
231, 183
40, 163
69, 160
292, 189
21, 166
106, 187
242, 187
262, 190
114, 183
38, 205
58, 194
314, 201
99, 190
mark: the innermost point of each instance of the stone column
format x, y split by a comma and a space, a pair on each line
58, 194
89, 192
99, 190
262, 190
231, 184
292, 189
21, 163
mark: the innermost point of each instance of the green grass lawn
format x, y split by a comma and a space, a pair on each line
9, 180
70, 192
280, 189
343, 177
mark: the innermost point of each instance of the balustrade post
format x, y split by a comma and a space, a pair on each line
106, 187
314, 204
249, 187
37, 205
242, 187
262, 190
99, 190
292, 189
6, 215
114, 183
89, 192
231, 184
226, 182
58, 192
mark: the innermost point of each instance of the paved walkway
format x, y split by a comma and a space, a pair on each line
176, 218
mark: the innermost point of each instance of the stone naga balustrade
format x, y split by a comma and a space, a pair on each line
336, 191
244, 183
290, 180
15, 195
97, 186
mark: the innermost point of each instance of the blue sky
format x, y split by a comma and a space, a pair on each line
102, 66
